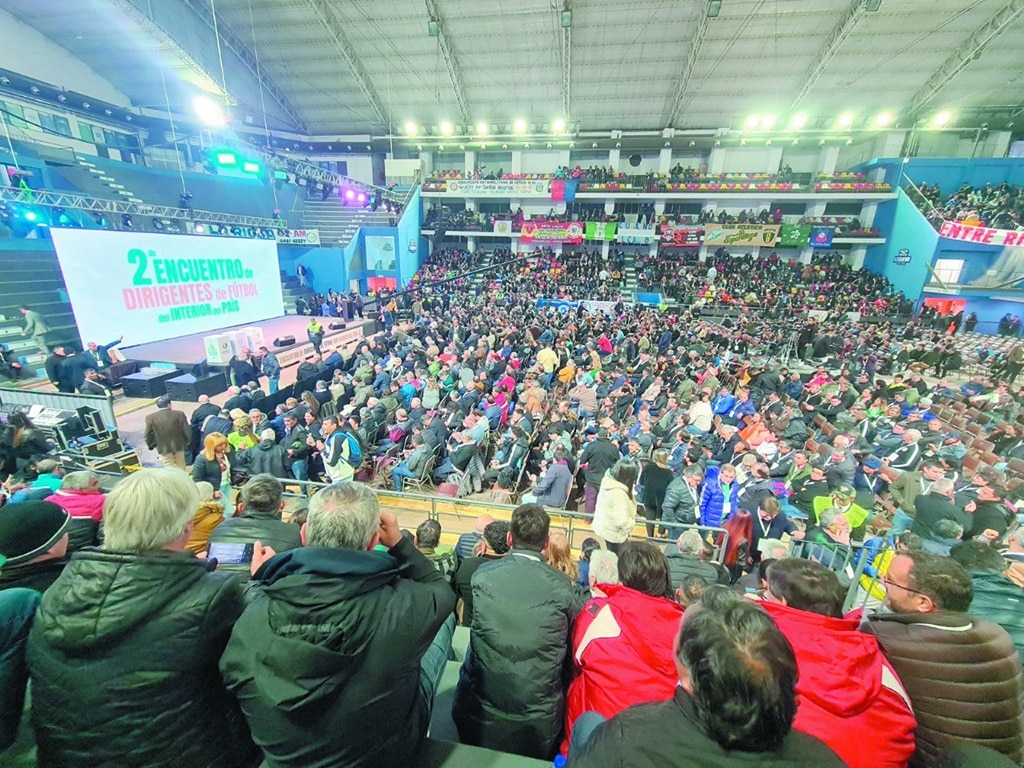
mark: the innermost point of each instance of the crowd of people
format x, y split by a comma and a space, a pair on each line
769, 282
720, 638
994, 205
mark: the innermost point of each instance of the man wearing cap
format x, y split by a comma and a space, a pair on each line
34, 541
868, 479
167, 432
805, 491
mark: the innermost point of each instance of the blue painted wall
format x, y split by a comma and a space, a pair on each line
908, 229
410, 254
977, 258
989, 311
949, 172
327, 267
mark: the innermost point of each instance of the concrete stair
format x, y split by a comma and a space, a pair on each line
291, 290
338, 223
104, 185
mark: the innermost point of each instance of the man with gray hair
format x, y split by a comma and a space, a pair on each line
337, 659
131, 632
689, 556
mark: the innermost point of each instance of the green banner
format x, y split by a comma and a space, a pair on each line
600, 230
794, 235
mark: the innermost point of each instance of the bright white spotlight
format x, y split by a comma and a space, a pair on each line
481, 129
845, 120
410, 128
883, 119
798, 121
941, 119
519, 126
446, 128
753, 121
767, 121
208, 111
558, 126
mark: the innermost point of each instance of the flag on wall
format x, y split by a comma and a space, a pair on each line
821, 237
564, 190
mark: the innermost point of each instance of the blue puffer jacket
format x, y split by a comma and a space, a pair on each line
712, 502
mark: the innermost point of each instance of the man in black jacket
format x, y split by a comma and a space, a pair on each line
260, 520
597, 458
203, 411
336, 660
734, 706
511, 692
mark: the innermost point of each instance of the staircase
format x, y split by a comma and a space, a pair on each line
291, 290
98, 183
628, 287
338, 223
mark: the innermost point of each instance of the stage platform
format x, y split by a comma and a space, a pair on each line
186, 351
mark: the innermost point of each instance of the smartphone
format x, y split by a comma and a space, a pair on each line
228, 553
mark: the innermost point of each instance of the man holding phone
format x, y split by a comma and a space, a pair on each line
337, 658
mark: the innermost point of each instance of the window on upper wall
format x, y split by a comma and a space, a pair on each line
16, 116
62, 126
46, 123
948, 270
85, 132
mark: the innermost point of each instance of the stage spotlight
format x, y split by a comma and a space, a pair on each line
883, 119
158, 225
199, 229
126, 221
173, 225
446, 128
767, 121
410, 128
361, 198
62, 218
798, 121
558, 126
350, 195
185, 201
208, 111
753, 121
519, 126
942, 119
30, 216
845, 120
481, 129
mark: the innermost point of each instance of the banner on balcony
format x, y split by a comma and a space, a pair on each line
497, 187
551, 231
754, 235
503, 227
821, 237
794, 235
636, 234
680, 237
298, 237
954, 230
600, 230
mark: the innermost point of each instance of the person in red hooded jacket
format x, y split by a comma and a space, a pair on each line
623, 642
81, 497
848, 694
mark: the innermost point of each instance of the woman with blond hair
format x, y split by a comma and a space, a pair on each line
213, 465
559, 556
309, 400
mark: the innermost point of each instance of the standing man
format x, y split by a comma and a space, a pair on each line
946, 658
509, 699
597, 458
59, 370
1014, 362
337, 660
167, 432
35, 327
315, 334
270, 367
203, 411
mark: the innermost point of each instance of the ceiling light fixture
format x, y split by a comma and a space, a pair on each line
519, 126
446, 128
798, 121
942, 119
845, 120
410, 128
481, 129
883, 119
714, 8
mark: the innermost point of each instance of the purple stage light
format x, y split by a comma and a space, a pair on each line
350, 194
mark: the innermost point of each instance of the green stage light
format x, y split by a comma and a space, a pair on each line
225, 158
250, 166
280, 176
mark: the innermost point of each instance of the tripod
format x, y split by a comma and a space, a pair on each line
788, 350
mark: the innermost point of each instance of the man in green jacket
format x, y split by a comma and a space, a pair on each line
996, 598
337, 657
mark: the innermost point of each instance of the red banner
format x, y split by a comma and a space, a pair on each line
681, 237
983, 235
551, 231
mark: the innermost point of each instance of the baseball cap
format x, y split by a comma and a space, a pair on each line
872, 463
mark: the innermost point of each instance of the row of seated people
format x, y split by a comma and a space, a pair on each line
992, 205
352, 619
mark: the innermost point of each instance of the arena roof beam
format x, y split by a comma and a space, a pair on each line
231, 41
830, 48
967, 52
454, 73
202, 78
329, 22
675, 102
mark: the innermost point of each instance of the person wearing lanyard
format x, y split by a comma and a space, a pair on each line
681, 500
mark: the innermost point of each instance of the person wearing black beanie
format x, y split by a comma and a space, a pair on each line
34, 543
